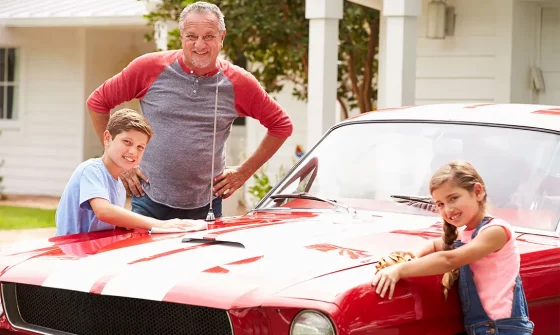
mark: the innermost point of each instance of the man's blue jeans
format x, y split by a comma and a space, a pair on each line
146, 206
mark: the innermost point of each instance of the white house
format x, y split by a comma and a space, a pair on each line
53, 54
62, 51
495, 51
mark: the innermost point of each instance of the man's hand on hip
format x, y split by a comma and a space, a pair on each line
229, 181
131, 181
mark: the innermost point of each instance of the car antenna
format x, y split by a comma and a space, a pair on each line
210, 216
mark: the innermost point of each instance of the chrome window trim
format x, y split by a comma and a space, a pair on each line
539, 232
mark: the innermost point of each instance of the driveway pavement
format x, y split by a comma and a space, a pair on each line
13, 236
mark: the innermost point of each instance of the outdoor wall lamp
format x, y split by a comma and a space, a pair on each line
441, 20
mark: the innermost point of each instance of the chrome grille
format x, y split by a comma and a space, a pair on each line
51, 311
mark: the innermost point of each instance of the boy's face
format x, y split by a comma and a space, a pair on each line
126, 149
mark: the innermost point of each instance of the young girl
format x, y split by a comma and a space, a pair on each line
485, 252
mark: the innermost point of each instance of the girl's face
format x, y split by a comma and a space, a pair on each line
458, 206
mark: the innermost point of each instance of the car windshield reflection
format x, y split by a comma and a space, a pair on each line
362, 165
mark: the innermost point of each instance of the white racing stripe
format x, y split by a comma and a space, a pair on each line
83, 273
154, 278
320, 230
246, 285
23, 246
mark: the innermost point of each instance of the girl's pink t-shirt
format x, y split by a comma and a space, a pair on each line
495, 274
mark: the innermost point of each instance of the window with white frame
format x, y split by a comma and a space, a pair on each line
9, 78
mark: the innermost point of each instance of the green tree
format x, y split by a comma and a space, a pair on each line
274, 34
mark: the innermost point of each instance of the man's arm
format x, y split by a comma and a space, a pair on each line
252, 100
233, 178
99, 121
132, 82
266, 149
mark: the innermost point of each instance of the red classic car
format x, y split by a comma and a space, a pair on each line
302, 261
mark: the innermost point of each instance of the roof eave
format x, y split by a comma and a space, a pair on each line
137, 20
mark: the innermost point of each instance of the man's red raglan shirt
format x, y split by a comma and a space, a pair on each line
180, 108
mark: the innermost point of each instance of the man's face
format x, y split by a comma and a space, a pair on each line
201, 40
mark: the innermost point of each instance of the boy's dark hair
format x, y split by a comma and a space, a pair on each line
128, 119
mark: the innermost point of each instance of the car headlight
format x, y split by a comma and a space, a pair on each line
311, 323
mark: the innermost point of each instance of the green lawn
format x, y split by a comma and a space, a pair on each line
26, 218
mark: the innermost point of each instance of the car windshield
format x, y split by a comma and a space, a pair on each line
387, 167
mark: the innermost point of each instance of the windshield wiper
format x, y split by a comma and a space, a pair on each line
420, 202
305, 195
408, 198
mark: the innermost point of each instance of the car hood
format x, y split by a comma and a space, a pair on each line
238, 262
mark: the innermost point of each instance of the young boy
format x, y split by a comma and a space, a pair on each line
94, 197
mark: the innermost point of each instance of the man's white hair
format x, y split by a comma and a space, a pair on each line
205, 8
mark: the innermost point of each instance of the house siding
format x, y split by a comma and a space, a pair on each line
54, 132
459, 68
40, 150
108, 51
550, 56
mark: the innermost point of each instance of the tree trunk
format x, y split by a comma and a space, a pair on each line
343, 107
366, 90
354, 80
241, 60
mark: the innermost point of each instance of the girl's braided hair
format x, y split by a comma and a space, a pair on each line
461, 174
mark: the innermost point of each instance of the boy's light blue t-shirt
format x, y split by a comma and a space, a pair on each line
91, 179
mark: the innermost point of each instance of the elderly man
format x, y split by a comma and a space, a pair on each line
181, 91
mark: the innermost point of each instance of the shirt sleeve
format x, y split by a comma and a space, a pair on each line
133, 82
252, 100
93, 184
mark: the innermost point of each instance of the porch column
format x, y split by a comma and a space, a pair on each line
323, 18
161, 28
160, 35
397, 53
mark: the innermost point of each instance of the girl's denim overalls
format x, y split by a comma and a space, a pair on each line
476, 320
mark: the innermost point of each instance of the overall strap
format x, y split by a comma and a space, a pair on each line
473, 311
486, 220
519, 305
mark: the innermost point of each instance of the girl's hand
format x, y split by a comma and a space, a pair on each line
386, 279
394, 258
408, 255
